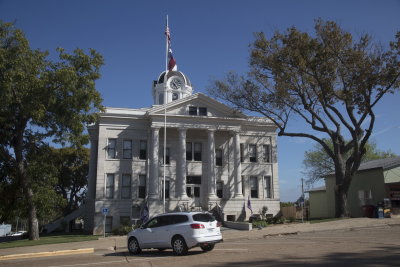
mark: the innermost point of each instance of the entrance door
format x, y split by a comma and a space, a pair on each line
193, 190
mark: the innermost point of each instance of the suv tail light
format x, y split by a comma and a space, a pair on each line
197, 225
219, 224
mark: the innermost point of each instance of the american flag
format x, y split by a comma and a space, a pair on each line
249, 205
171, 61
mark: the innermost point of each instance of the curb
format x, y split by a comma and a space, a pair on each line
47, 254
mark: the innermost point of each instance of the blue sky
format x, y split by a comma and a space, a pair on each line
209, 39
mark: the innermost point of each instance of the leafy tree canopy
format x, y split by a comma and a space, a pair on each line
329, 81
318, 164
42, 101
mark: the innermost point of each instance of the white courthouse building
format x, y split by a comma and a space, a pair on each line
214, 156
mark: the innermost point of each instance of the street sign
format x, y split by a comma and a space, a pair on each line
104, 211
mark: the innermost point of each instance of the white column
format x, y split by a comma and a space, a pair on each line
211, 165
154, 166
181, 167
238, 166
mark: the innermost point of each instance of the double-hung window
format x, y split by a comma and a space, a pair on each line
197, 152
253, 153
267, 153
143, 149
267, 187
127, 149
189, 151
110, 186
241, 152
193, 151
111, 148
142, 186
253, 186
126, 186
220, 187
166, 189
218, 157
167, 157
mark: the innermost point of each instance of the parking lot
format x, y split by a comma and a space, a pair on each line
377, 246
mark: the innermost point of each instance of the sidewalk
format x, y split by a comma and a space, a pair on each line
111, 244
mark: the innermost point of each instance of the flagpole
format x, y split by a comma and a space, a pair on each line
165, 112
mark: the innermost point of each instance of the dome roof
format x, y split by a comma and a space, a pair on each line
161, 78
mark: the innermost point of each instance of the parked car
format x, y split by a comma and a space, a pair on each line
179, 231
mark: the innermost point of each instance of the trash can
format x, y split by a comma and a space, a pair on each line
368, 211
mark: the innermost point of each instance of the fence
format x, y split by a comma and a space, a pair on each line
294, 212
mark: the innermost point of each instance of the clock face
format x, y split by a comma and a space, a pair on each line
176, 83
175, 96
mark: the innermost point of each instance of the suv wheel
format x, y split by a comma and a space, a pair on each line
179, 246
207, 247
133, 246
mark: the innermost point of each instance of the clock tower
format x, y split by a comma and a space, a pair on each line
175, 84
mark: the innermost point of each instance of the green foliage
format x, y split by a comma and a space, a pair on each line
259, 223
41, 101
122, 230
286, 204
318, 163
328, 80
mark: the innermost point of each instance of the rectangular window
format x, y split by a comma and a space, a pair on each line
167, 153
127, 149
126, 186
125, 220
110, 186
266, 153
143, 149
243, 185
253, 187
167, 157
241, 152
197, 151
142, 186
253, 153
267, 187
220, 186
196, 191
108, 225
166, 189
218, 157
192, 110
111, 148
202, 111
189, 151
193, 179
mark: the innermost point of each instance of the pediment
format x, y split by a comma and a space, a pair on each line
181, 107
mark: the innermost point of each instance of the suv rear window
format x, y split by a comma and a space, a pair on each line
203, 217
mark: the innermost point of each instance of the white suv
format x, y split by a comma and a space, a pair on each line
179, 231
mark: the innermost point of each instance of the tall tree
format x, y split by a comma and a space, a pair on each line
330, 81
42, 101
318, 164
72, 167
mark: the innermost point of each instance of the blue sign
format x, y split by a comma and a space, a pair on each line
104, 211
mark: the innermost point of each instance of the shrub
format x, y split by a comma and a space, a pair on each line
122, 230
259, 223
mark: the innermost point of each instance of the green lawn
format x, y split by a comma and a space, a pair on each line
50, 239
326, 220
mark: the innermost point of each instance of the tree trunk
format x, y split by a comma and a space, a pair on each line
341, 188
33, 224
22, 176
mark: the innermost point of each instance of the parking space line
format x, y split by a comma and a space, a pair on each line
91, 263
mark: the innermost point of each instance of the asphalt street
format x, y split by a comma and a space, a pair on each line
376, 246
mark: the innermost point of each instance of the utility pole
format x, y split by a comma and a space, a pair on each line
302, 202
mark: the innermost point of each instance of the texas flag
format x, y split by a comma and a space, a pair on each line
171, 61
